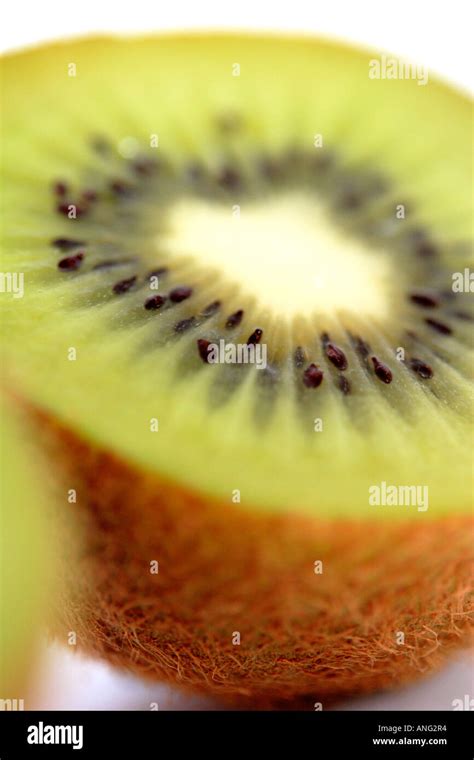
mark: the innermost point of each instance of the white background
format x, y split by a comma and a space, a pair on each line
437, 35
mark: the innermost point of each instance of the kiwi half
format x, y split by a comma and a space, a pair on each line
166, 194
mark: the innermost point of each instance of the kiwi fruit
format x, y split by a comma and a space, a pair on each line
165, 196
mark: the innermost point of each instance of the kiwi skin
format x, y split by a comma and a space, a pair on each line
305, 637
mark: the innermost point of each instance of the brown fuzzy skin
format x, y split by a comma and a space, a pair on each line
304, 637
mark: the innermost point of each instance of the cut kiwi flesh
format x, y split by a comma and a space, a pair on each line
158, 203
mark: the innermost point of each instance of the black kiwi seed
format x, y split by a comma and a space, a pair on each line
255, 337
269, 168
203, 348
463, 315
211, 309
382, 371
89, 195
112, 263
229, 122
427, 300
376, 186
154, 302
144, 167
67, 244
235, 319
299, 357
180, 293
421, 368
440, 327
335, 354
362, 348
322, 161
422, 245
294, 158
228, 178
448, 295
313, 376
426, 249
184, 324
349, 198
70, 263
60, 189
120, 188
344, 385
194, 172
100, 145
124, 285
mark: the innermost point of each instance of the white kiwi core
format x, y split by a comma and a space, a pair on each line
287, 252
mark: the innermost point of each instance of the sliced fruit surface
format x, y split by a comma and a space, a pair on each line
27, 543
243, 264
